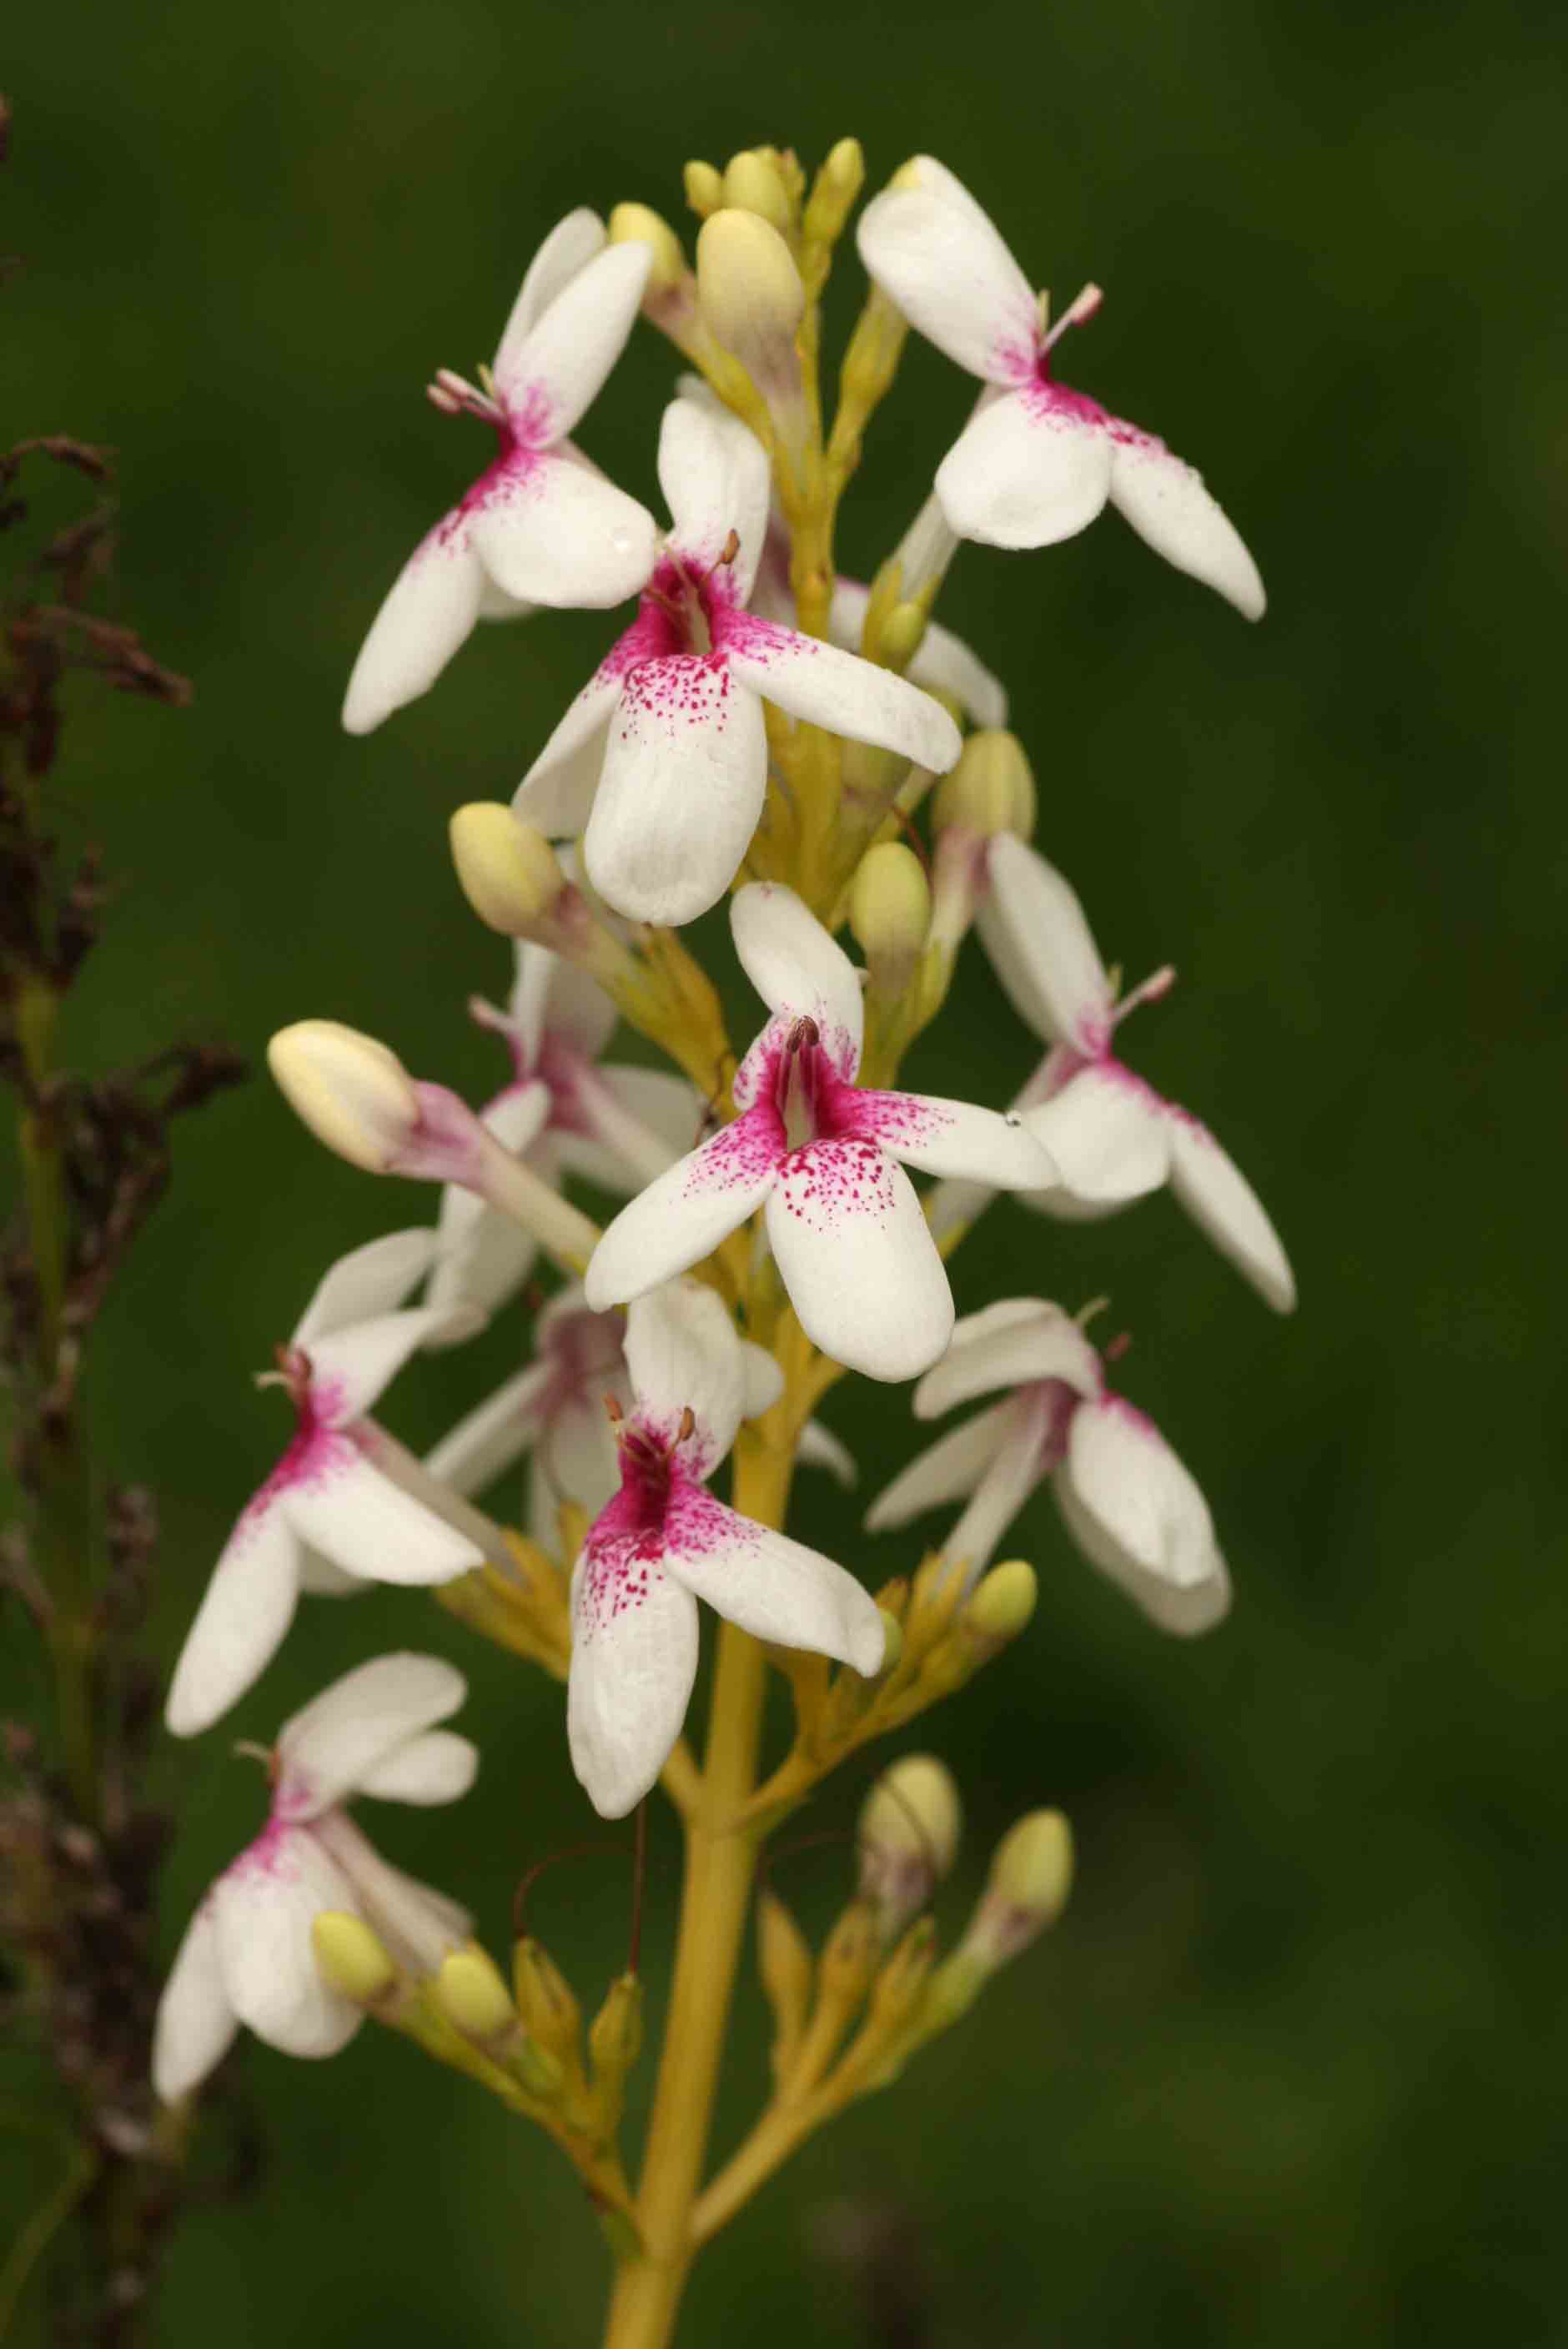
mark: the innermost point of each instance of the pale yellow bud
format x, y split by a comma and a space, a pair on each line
901, 632
509, 873
471, 1993
890, 911
354, 1093
751, 295
639, 224
908, 1838
1004, 1601
1031, 1875
754, 184
350, 1958
703, 189
992, 787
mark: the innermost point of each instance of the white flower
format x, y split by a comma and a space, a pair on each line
663, 1542
325, 1513
617, 1127
541, 524
1037, 460
1112, 1136
663, 754
246, 1956
821, 1156
1127, 1502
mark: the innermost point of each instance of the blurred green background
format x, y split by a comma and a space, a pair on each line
1285, 2073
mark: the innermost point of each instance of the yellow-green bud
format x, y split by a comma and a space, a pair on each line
353, 1092
838, 183
754, 184
509, 873
615, 2034
892, 1643
350, 1958
992, 787
703, 189
1031, 1875
901, 632
1004, 1601
751, 295
471, 1993
639, 224
546, 2000
890, 911
785, 1962
909, 1829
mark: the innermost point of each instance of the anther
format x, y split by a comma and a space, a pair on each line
731, 547
612, 1411
688, 1424
805, 1032
1080, 309
1117, 1348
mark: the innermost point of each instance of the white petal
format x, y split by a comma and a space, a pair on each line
1015, 1343
1139, 1516
352, 1367
667, 1109
533, 966
354, 1724
557, 793
576, 1460
685, 770
370, 1527
484, 1444
196, 2023
945, 1471
248, 1605
436, 1768
816, 681
554, 532
1108, 1132
1167, 505
633, 1660
683, 1352
949, 272
1021, 1461
795, 965
368, 1280
772, 1587
264, 1906
419, 1926
1228, 1211
1051, 967
557, 369
484, 1256
819, 1448
944, 663
570, 245
862, 1269
952, 1137
429, 611
682, 1217
714, 473
763, 1378
578, 1013
1026, 470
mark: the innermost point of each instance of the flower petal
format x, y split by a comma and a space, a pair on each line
368, 1280
1015, 1343
819, 1448
365, 1524
943, 664
352, 1367
350, 1726
772, 1587
1049, 963
264, 1905
1026, 470
1168, 507
554, 374
682, 1217
1228, 1211
633, 1660
945, 1471
667, 1109
570, 245
248, 1605
795, 965
947, 268
500, 1430
196, 2023
436, 1768
556, 796
1137, 1515
816, 681
419, 1925
429, 610
554, 532
1022, 1460
1108, 1132
577, 1460
484, 1256
764, 1379
714, 473
683, 1352
952, 1137
685, 774
853, 1251
577, 1011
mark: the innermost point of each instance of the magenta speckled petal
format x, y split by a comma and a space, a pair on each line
368, 1526
772, 1587
1027, 470
554, 532
950, 1137
1108, 1133
266, 1903
854, 1253
633, 1660
814, 680
682, 1217
684, 773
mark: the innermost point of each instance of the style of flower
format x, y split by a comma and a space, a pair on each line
1037, 460
822, 1156
246, 1956
541, 524
1112, 1136
662, 756
326, 1515
663, 1541
614, 1126
1127, 1502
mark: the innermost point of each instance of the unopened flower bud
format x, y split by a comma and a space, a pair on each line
1031, 1875
1003, 1602
785, 1962
703, 189
546, 2000
752, 297
509, 873
901, 635
615, 2036
350, 1958
354, 1093
838, 183
890, 911
754, 184
908, 1838
639, 224
471, 1993
992, 787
